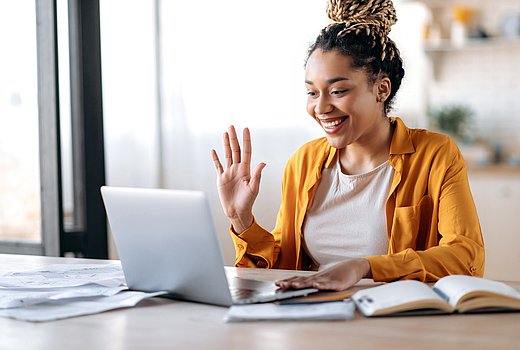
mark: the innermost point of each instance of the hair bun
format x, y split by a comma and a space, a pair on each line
377, 16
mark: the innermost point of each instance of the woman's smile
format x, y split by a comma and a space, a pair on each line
332, 125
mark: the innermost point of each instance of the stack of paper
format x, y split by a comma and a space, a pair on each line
336, 310
65, 290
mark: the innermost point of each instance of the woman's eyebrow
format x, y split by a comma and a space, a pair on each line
335, 80
329, 81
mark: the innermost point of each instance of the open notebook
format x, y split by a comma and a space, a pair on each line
167, 242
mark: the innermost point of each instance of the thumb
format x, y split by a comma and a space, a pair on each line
255, 179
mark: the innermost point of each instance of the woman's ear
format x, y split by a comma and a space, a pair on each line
384, 87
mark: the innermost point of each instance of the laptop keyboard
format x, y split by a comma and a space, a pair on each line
243, 293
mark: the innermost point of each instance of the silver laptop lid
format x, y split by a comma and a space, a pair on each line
166, 241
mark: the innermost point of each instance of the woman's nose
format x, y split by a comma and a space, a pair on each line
323, 106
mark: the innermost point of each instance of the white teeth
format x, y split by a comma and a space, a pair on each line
331, 124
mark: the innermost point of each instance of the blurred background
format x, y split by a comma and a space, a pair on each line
175, 74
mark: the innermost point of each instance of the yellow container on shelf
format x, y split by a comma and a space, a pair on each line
462, 14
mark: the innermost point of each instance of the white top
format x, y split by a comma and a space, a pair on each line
347, 218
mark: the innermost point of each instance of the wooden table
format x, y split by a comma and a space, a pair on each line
165, 324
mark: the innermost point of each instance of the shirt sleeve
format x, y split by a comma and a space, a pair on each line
255, 247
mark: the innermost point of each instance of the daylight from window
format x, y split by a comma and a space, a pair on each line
19, 159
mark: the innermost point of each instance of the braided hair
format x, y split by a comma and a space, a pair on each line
360, 30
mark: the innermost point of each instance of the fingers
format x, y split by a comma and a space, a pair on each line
216, 162
227, 150
296, 283
255, 179
246, 139
235, 146
319, 281
234, 154
285, 282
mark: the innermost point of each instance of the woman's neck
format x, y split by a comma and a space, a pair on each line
359, 157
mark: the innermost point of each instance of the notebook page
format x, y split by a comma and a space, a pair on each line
396, 297
456, 287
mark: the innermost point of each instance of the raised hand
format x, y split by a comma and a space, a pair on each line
237, 187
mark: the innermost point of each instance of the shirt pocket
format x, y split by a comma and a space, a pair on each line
411, 226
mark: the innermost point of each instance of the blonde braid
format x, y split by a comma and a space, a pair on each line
375, 17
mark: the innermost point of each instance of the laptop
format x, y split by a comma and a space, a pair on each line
166, 241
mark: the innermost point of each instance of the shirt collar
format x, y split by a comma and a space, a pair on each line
330, 158
401, 140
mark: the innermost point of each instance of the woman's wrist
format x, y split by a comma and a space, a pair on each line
365, 267
241, 223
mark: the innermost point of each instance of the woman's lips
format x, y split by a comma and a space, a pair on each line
332, 125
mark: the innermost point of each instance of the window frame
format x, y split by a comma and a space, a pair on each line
88, 238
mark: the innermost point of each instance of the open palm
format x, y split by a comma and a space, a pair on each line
237, 186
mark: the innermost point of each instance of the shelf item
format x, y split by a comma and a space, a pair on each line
455, 25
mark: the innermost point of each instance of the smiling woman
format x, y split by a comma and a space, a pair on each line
373, 198
348, 105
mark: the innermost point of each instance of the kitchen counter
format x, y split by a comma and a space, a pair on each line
494, 169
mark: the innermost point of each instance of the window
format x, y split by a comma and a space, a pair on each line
48, 171
20, 210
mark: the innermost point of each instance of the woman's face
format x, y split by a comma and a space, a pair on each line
341, 99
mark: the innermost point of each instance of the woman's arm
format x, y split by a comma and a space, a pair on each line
453, 224
435, 236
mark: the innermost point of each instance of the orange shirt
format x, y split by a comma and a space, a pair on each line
432, 223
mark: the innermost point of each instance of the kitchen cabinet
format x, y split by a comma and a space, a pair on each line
481, 74
496, 191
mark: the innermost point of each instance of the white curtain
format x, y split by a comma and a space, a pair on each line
235, 62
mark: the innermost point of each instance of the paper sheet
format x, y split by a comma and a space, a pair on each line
65, 275
336, 310
65, 290
59, 309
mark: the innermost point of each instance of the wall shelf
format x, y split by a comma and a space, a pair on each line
445, 3
473, 44
437, 52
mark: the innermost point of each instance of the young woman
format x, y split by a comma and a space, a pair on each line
372, 198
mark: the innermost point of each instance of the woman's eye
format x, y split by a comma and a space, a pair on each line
311, 93
337, 92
